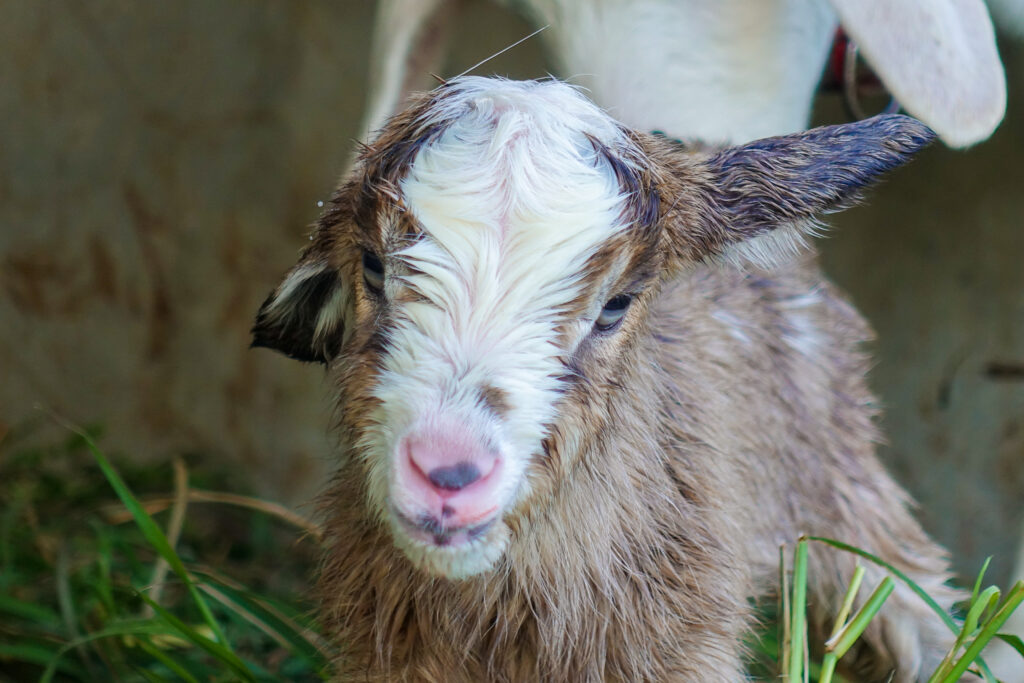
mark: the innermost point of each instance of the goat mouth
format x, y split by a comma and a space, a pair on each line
432, 532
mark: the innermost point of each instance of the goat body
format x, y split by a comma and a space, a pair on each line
588, 380
732, 70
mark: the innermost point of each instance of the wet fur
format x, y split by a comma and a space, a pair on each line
729, 415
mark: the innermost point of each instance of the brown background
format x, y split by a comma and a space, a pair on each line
159, 164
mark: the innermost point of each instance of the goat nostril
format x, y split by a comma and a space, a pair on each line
455, 477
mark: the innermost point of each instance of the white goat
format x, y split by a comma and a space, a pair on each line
731, 70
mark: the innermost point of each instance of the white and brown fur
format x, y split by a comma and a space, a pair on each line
656, 467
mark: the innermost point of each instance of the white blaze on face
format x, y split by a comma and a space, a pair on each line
512, 200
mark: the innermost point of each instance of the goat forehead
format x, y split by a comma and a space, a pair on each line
512, 199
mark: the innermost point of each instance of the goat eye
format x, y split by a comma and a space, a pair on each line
613, 312
373, 272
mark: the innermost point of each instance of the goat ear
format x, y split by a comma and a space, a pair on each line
758, 201
937, 57
303, 317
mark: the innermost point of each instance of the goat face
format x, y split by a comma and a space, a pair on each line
482, 278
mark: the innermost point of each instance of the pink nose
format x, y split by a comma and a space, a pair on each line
449, 460
447, 477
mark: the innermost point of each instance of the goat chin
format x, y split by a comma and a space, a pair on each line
454, 562
587, 381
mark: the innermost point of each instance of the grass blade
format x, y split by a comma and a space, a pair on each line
66, 602
212, 647
946, 618
849, 634
988, 599
132, 628
1013, 641
848, 599
831, 659
155, 504
784, 638
27, 610
798, 626
39, 654
977, 581
840, 643
156, 653
301, 641
152, 532
174, 527
978, 607
988, 631
103, 583
909, 583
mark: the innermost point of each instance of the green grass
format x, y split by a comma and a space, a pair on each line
985, 613
100, 582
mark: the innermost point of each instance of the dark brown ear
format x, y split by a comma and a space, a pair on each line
303, 317
758, 201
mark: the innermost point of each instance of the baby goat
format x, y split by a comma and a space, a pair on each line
588, 380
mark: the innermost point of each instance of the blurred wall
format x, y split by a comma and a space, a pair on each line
160, 163
159, 166
936, 262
